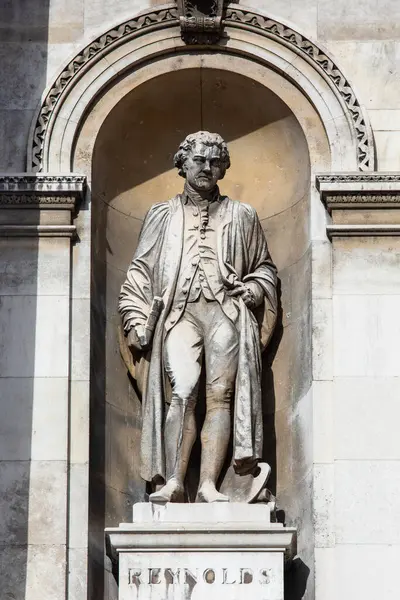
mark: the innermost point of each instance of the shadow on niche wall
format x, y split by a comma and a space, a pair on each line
132, 169
23, 64
269, 400
296, 580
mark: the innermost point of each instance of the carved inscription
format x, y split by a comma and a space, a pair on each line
201, 576
183, 576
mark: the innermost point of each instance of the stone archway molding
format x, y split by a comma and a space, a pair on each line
166, 17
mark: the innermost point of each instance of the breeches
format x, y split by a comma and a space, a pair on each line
203, 330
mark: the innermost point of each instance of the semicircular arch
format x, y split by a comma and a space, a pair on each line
153, 37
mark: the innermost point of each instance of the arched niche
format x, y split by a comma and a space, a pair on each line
132, 168
287, 112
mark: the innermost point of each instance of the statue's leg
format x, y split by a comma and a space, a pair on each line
221, 345
183, 351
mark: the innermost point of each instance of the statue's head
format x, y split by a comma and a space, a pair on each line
202, 159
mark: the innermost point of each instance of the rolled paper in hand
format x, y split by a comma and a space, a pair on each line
146, 335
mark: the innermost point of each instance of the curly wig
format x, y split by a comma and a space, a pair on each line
202, 137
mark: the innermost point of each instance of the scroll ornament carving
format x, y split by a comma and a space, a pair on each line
200, 21
233, 17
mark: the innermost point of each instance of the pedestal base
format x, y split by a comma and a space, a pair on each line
200, 551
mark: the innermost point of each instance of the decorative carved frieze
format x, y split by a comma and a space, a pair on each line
27, 200
39, 205
361, 204
338, 179
171, 17
39, 181
360, 200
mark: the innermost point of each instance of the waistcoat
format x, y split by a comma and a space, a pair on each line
199, 270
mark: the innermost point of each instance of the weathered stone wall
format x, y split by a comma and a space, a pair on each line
355, 367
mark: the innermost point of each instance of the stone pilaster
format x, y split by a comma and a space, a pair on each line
36, 229
357, 459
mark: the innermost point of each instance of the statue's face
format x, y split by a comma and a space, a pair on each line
203, 167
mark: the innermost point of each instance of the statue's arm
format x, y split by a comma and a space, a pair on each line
138, 290
261, 275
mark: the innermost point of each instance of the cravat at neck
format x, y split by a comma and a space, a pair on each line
199, 199
202, 204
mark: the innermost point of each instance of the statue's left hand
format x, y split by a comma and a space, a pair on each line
245, 293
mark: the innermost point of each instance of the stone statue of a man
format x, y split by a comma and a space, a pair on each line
201, 288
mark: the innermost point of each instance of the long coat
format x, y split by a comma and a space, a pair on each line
242, 255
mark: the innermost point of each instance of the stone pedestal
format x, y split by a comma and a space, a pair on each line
197, 551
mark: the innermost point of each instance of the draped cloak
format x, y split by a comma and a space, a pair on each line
242, 255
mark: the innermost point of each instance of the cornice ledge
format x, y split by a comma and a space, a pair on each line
359, 190
54, 231
28, 190
361, 204
193, 537
337, 183
361, 230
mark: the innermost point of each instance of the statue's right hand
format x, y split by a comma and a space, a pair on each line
133, 340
